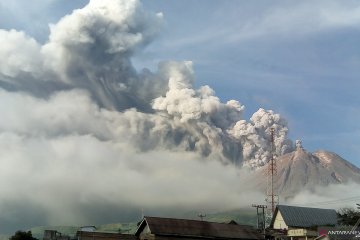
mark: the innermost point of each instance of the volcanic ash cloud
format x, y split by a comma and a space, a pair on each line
79, 122
91, 50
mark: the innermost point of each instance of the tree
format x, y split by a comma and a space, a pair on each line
348, 216
22, 235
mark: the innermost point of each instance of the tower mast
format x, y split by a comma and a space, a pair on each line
272, 198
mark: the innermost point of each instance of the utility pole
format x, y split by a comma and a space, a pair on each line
201, 216
260, 216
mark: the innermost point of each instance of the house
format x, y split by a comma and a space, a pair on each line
54, 235
156, 228
300, 222
88, 228
96, 235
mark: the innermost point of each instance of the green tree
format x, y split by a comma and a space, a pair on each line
22, 235
348, 216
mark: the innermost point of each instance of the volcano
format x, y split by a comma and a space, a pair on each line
300, 170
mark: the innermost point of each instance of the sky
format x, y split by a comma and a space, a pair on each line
155, 98
300, 59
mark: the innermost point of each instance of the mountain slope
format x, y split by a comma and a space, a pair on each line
300, 170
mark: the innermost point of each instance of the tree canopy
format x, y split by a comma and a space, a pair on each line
348, 216
22, 235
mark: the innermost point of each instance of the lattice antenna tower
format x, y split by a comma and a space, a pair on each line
272, 199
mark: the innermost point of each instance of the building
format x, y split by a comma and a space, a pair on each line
156, 228
297, 223
95, 235
88, 228
54, 235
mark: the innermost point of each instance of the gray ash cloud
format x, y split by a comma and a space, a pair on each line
79, 122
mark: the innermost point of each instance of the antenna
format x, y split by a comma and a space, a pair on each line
272, 198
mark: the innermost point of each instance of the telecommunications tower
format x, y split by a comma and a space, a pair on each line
272, 198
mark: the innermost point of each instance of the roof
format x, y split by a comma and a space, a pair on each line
84, 228
306, 217
198, 229
105, 235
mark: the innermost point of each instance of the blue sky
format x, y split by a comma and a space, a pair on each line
299, 58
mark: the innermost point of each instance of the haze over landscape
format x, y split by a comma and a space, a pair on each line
122, 106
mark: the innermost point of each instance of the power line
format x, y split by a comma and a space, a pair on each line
335, 201
339, 200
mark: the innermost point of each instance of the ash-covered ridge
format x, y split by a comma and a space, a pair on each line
300, 170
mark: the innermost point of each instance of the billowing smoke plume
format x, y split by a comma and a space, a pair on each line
255, 137
91, 50
75, 110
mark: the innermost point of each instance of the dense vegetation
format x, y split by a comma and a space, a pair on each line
348, 216
22, 235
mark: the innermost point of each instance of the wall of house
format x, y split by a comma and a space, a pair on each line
175, 238
146, 234
279, 222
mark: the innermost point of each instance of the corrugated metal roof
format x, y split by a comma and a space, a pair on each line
306, 217
194, 228
104, 235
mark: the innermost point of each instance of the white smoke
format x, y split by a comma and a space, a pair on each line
26, 60
80, 126
255, 137
334, 196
